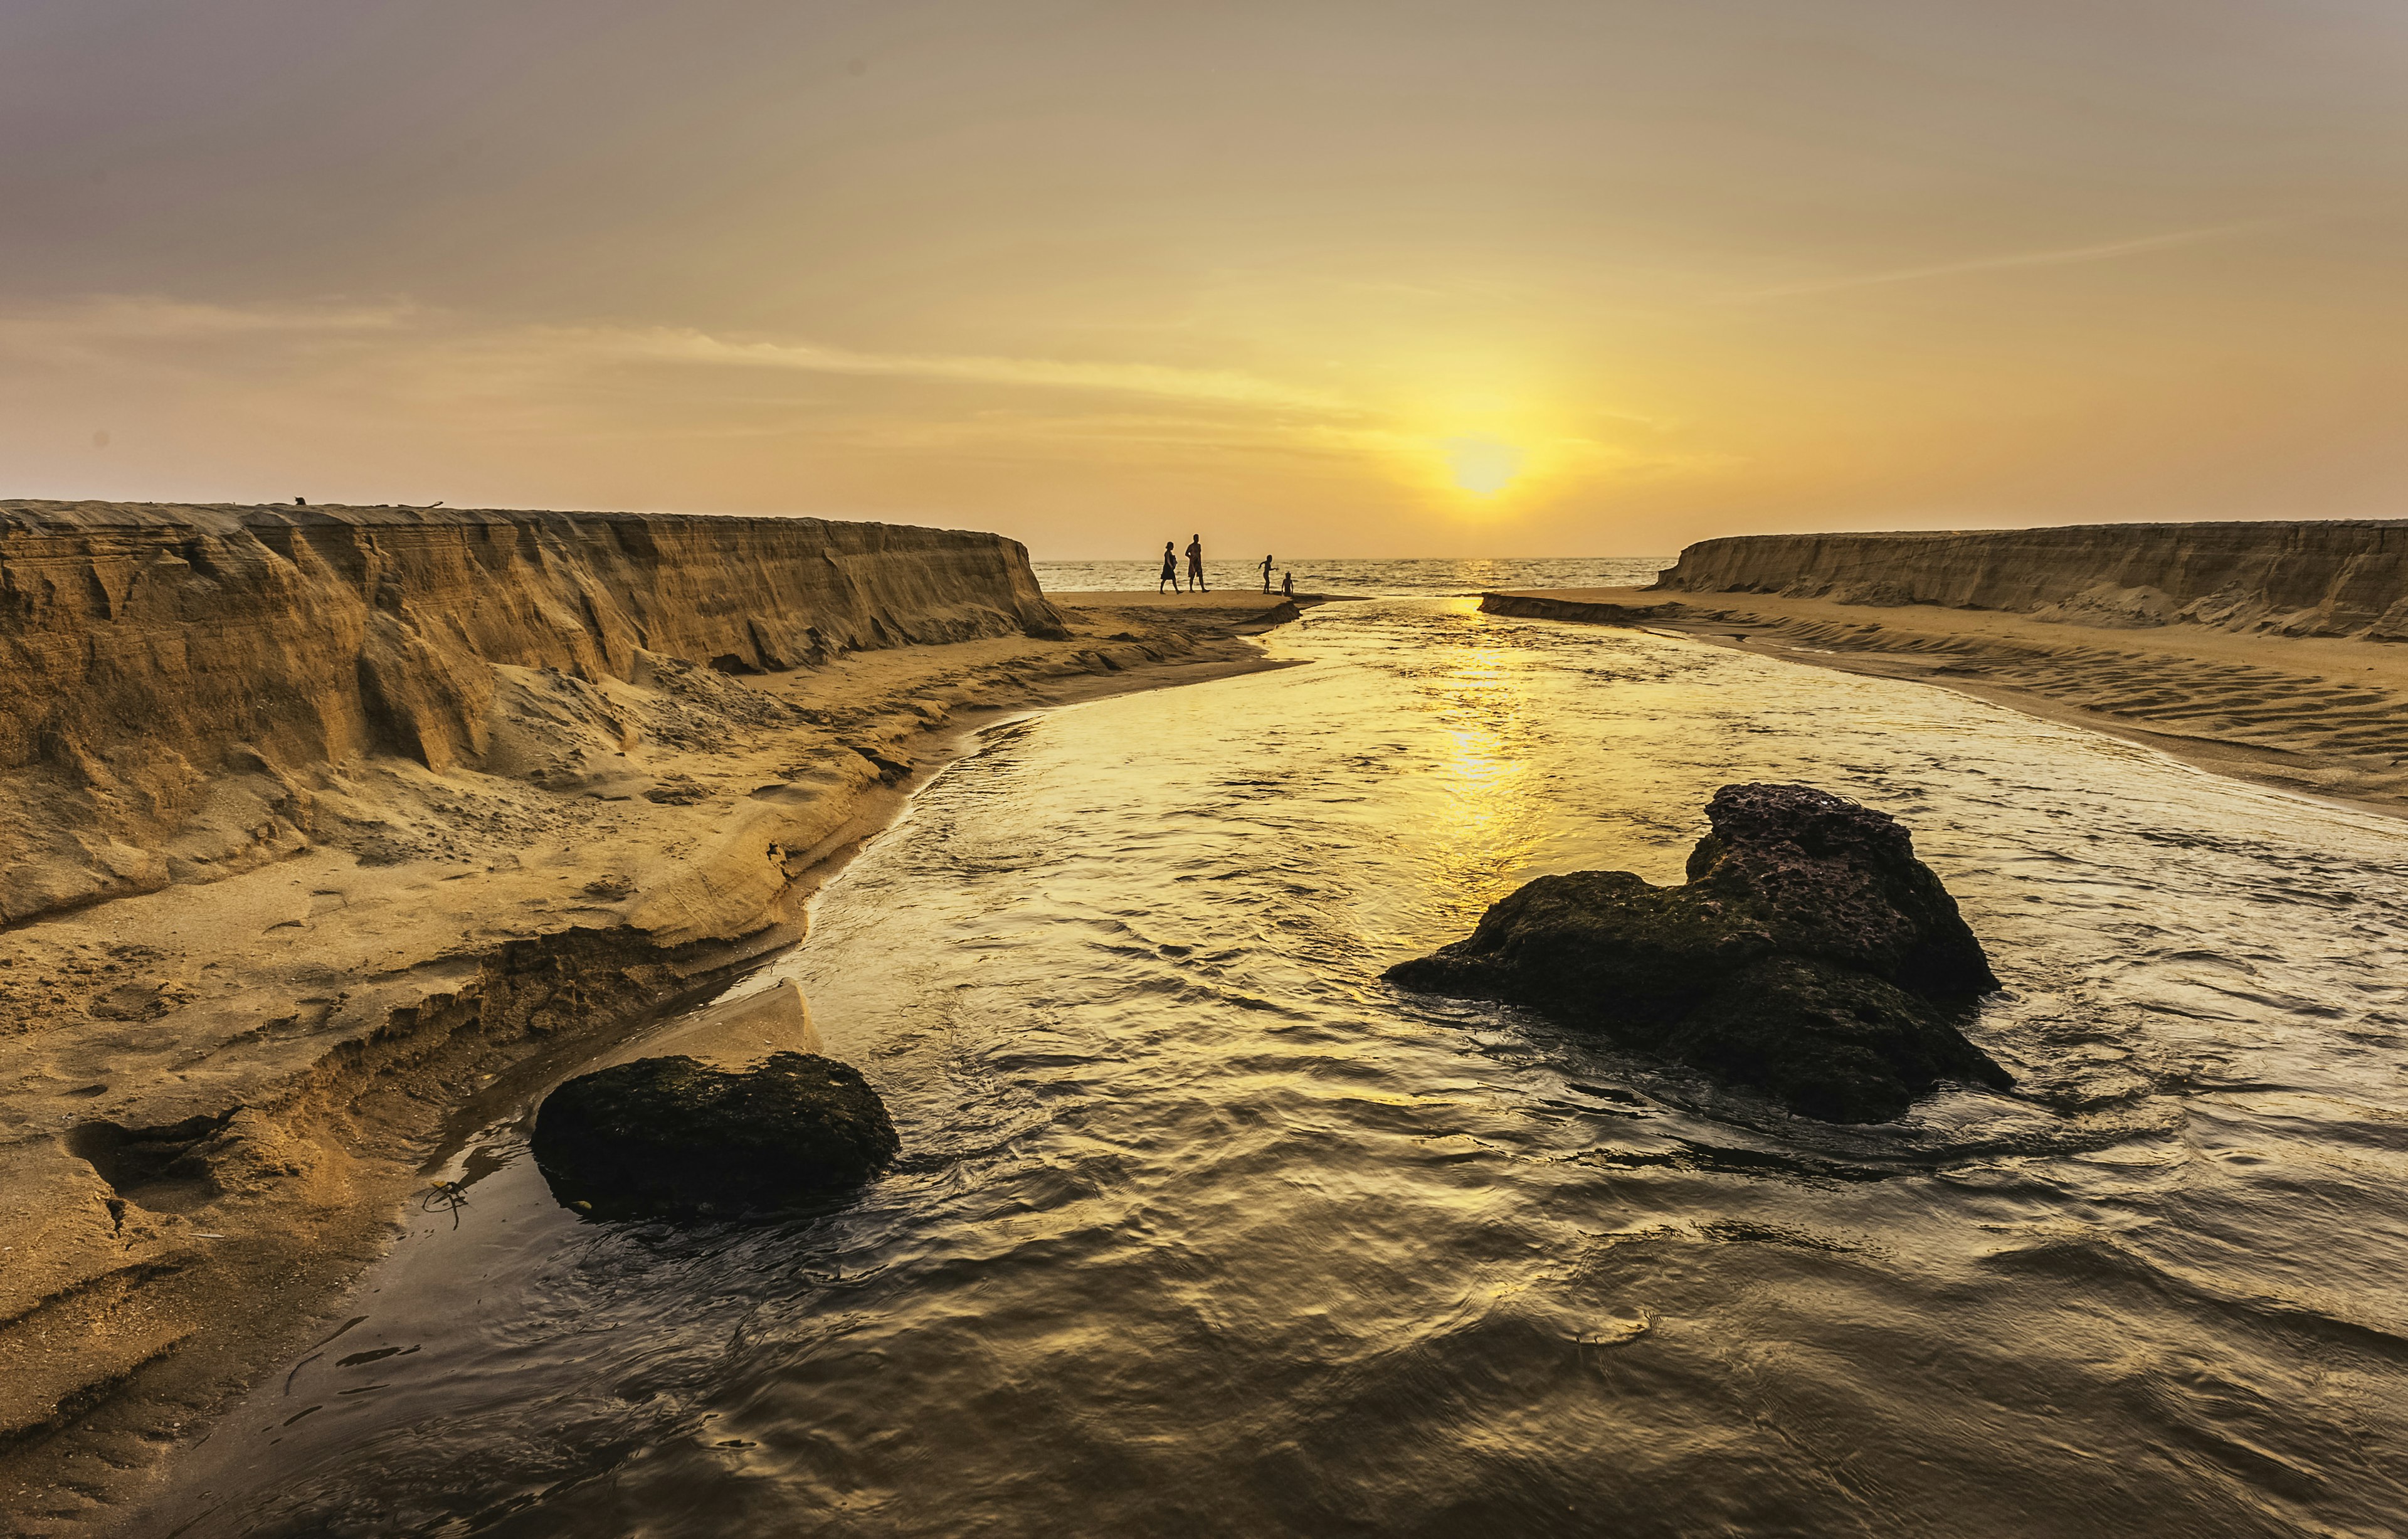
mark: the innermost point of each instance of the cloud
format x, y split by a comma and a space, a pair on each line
101, 320
1219, 387
2060, 257
124, 328
407, 384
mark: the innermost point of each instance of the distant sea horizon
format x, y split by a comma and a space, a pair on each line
1420, 576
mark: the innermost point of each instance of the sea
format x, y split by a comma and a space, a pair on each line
1202, 1229
1361, 577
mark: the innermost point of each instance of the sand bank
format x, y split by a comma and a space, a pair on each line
224, 1073
2337, 576
2324, 714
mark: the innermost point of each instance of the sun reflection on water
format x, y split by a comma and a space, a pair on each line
1490, 825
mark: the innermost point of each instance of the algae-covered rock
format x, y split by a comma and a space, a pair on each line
674, 1136
1810, 956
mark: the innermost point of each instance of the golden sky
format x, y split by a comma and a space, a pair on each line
1405, 278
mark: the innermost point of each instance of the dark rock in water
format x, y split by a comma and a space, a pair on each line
1810, 955
674, 1136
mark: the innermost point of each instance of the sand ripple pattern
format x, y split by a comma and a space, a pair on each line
2363, 727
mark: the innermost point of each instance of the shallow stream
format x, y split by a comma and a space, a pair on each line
1202, 1230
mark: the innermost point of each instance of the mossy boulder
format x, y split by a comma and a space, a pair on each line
1810, 956
675, 1137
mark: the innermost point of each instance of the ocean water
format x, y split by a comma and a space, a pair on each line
1361, 577
1200, 1229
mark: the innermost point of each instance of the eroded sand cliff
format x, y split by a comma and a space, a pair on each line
170, 675
322, 825
2342, 578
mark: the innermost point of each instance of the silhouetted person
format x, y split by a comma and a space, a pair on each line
1169, 567
1195, 564
1266, 574
1287, 585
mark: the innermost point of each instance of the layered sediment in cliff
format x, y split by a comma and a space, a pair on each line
171, 674
2345, 579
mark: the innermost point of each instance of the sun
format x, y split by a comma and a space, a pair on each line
1482, 466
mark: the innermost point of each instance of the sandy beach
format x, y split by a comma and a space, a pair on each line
2326, 716
222, 1094
578, 784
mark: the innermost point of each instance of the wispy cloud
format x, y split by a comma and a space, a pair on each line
104, 320
2064, 256
393, 379
1218, 386
127, 328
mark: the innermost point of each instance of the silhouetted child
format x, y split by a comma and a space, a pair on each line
1287, 585
1266, 574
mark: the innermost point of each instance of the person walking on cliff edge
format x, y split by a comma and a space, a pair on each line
1266, 574
1169, 567
1195, 564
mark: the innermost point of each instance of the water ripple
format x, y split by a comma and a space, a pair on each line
1202, 1230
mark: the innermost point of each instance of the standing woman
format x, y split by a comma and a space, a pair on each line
1169, 567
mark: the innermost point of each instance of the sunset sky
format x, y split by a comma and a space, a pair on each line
1410, 279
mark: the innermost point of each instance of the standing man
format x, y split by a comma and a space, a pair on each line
1266, 574
1195, 564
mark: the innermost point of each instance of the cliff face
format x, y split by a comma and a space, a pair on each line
161, 664
2328, 579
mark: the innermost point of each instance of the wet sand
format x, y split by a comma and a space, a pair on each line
357, 1010
2322, 715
